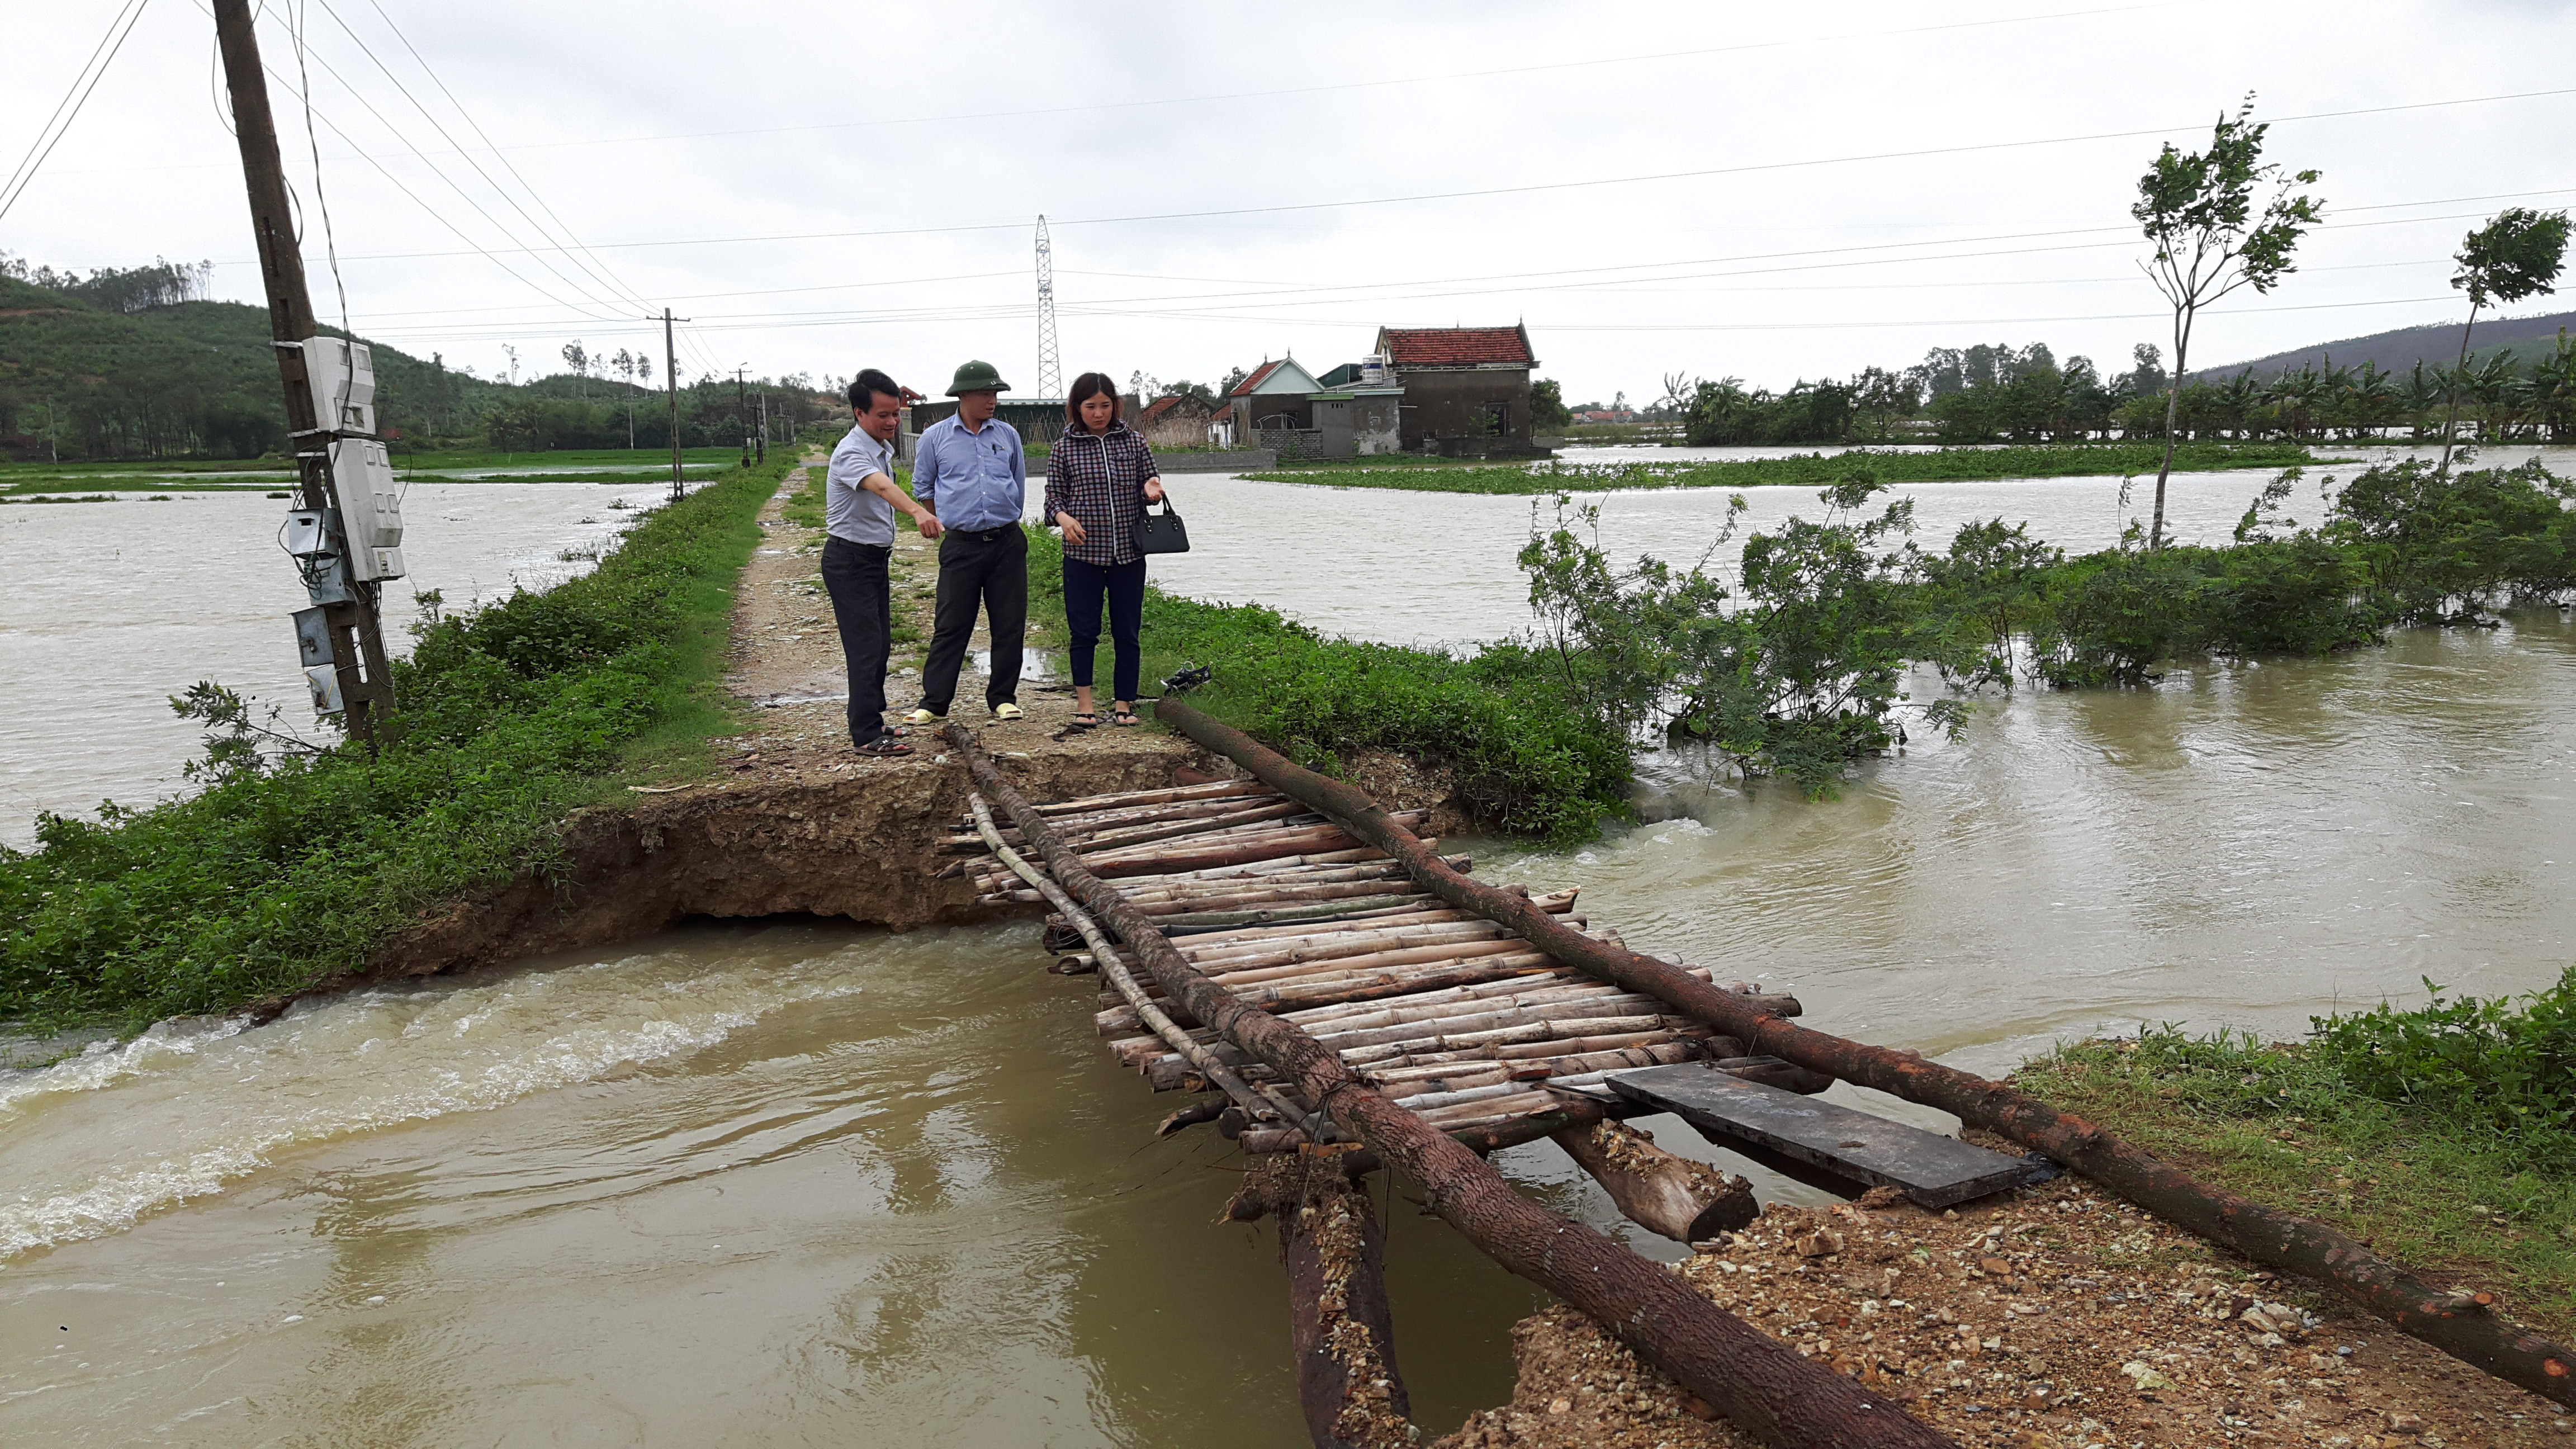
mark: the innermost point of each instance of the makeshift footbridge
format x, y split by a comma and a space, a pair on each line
1356, 1000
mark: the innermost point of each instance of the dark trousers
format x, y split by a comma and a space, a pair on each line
1125, 585
989, 569
854, 574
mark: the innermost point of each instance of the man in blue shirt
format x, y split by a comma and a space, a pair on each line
974, 475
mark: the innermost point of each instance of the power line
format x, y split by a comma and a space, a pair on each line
619, 295
539, 253
1332, 87
1530, 189
50, 135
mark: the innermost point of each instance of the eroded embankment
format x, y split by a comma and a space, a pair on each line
795, 822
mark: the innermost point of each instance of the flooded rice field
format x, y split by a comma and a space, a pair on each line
113, 607
784, 1182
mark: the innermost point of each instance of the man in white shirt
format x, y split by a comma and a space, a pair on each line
860, 497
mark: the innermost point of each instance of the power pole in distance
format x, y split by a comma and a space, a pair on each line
1050, 370
671, 387
761, 453
355, 647
742, 412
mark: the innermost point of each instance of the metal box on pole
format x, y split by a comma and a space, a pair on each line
370, 499
342, 377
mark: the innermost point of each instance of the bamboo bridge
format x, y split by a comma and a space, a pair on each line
1354, 1000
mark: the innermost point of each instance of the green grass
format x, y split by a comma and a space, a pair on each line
2360, 1127
283, 874
1527, 760
1941, 465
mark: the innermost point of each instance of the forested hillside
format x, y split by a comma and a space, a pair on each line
133, 365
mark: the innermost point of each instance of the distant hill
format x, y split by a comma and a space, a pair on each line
2528, 338
105, 373
185, 378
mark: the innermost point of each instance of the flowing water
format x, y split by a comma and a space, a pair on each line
789, 1182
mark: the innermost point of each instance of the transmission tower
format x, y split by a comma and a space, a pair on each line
1050, 369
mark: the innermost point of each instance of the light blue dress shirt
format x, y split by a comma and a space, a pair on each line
976, 480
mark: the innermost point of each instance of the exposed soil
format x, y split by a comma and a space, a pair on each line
2051, 1318
795, 821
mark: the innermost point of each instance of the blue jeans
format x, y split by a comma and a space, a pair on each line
1125, 585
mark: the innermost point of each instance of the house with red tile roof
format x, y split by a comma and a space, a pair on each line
1460, 382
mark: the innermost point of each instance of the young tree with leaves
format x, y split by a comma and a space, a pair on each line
2213, 234
2514, 256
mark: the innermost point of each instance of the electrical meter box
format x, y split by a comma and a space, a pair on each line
342, 377
324, 682
308, 533
312, 638
370, 501
374, 564
326, 581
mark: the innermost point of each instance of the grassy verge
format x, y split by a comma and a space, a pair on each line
287, 870
1529, 759
1940, 465
2440, 1136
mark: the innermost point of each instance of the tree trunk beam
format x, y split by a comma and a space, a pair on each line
2267, 1235
1339, 1323
1662, 1192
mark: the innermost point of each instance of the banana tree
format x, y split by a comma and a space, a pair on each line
2418, 396
2213, 235
2374, 400
2241, 395
2516, 255
2297, 395
2500, 393
2553, 390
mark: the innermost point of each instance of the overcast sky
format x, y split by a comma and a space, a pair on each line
829, 187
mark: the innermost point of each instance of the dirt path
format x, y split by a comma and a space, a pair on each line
786, 660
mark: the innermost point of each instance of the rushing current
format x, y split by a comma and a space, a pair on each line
790, 1182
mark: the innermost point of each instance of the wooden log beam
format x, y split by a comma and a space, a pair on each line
2455, 1323
1758, 1383
1338, 1320
1662, 1192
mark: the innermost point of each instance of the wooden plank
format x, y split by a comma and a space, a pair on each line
1934, 1170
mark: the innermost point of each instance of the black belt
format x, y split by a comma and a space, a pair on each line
983, 535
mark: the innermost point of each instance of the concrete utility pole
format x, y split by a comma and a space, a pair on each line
742, 412
356, 648
761, 453
671, 387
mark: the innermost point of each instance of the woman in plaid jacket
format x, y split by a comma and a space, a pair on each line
1100, 476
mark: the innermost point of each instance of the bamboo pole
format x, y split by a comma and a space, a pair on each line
1765, 1389
1199, 1057
2456, 1323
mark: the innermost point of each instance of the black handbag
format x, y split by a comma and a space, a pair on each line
1162, 533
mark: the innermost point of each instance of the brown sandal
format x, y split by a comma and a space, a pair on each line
883, 747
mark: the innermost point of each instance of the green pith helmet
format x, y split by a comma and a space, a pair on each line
977, 377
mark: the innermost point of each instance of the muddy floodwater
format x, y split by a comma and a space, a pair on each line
112, 607
805, 1182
